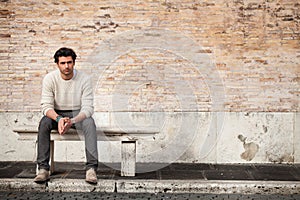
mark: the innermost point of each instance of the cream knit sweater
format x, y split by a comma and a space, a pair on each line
73, 94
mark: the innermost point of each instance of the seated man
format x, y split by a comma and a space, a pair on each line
67, 101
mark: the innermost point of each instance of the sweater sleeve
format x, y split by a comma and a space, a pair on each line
47, 99
87, 98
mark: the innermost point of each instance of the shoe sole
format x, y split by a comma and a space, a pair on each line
41, 181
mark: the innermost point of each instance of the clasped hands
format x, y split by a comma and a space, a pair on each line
64, 125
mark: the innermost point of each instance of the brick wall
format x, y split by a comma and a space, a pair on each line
170, 55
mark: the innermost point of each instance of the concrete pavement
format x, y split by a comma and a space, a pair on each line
274, 179
141, 196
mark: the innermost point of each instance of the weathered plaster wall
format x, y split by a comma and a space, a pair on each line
184, 137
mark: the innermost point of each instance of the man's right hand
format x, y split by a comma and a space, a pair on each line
63, 125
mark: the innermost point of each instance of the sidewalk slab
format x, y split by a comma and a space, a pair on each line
208, 187
154, 186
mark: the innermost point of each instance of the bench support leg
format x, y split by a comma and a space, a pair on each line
51, 157
128, 157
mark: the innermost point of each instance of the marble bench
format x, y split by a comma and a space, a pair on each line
127, 136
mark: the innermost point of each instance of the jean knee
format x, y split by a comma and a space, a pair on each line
46, 123
88, 123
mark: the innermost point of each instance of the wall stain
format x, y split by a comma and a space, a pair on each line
265, 128
250, 149
286, 158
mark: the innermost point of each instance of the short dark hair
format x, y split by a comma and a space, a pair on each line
64, 52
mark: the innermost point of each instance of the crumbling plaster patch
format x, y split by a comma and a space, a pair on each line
250, 149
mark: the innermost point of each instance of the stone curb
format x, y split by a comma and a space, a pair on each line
154, 186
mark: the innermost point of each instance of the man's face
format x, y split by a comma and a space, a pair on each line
66, 66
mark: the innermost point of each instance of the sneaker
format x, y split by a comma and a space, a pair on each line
42, 176
91, 176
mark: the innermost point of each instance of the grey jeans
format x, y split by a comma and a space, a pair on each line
88, 128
